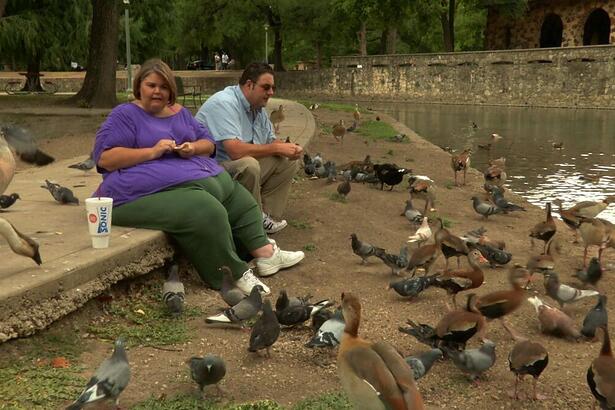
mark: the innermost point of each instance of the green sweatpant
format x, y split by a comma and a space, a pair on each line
209, 218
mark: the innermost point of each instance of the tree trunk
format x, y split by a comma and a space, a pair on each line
33, 76
362, 34
446, 33
275, 22
2, 7
383, 41
391, 40
98, 89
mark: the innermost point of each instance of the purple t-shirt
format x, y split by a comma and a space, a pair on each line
129, 126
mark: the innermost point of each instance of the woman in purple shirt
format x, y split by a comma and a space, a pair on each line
157, 165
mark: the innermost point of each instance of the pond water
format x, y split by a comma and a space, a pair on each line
583, 169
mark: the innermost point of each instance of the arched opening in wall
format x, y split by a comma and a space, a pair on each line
597, 28
551, 31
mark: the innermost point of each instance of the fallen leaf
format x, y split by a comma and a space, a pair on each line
60, 362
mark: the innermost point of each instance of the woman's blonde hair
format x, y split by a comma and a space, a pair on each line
155, 65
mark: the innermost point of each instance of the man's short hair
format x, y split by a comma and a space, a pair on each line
253, 72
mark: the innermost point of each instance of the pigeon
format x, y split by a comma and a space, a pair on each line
85, 165
363, 249
412, 215
283, 301
265, 331
207, 370
595, 318
329, 334
25, 145
331, 171
411, 287
494, 255
422, 362
173, 293
473, 361
397, 263
247, 309
297, 314
422, 234
320, 317
484, 208
593, 273
308, 165
343, 189
230, 293
317, 160
109, 380
8, 200
563, 293
497, 194
554, 321
61, 194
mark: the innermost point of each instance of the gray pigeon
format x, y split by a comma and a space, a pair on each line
422, 362
283, 301
173, 293
244, 310
330, 333
363, 249
61, 194
484, 208
109, 381
207, 370
595, 318
297, 314
473, 361
231, 294
563, 293
85, 165
265, 331
411, 214
397, 263
25, 145
8, 200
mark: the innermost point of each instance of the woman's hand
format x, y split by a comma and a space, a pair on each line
185, 150
162, 147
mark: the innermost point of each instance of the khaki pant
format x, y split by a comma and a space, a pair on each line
268, 179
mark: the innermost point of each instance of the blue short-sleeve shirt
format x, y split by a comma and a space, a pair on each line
228, 115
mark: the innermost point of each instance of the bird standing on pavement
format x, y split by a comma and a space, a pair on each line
554, 321
412, 287
108, 381
595, 318
244, 310
460, 163
356, 114
422, 362
528, 357
563, 293
276, 117
230, 293
8, 200
207, 370
422, 234
374, 375
363, 249
173, 293
473, 361
484, 208
329, 334
601, 374
61, 194
343, 189
339, 130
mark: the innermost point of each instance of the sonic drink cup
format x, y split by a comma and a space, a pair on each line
98, 211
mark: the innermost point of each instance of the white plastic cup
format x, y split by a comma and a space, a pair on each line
98, 211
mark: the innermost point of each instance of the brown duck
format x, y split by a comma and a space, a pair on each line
424, 257
528, 357
460, 163
596, 232
601, 374
450, 244
463, 279
374, 375
544, 231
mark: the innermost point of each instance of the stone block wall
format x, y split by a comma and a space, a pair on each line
502, 32
565, 77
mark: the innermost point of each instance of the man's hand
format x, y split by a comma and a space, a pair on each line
289, 150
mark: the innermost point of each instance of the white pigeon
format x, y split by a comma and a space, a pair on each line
422, 234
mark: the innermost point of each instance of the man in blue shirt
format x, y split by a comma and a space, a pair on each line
246, 143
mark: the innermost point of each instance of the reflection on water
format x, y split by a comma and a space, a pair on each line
584, 169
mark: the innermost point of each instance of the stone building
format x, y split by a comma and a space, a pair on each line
553, 23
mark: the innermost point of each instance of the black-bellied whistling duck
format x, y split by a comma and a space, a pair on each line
496, 305
339, 130
453, 330
373, 375
424, 257
461, 162
601, 374
463, 279
276, 117
451, 245
544, 230
541, 263
528, 357
597, 232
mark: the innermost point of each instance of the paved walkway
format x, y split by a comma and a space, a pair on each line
31, 296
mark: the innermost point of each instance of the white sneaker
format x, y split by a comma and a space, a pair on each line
248, 281
279, 260
271, 225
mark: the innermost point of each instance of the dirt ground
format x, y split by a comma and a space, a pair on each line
322, 227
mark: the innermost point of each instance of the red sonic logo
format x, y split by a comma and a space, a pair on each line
92, 218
